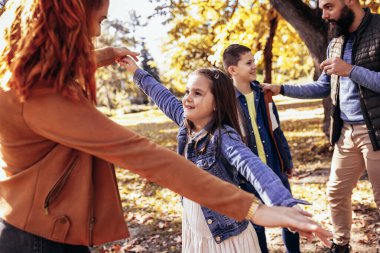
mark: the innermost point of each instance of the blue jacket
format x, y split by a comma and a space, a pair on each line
275, 144
231, 159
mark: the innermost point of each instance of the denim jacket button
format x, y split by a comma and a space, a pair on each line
217, 239
209, 221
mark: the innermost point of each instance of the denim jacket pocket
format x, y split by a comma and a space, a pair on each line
206, 162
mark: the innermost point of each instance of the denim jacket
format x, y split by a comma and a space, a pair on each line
231, 159
276, 147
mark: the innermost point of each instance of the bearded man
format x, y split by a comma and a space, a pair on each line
351, 75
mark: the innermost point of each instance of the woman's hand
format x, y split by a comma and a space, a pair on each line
294, 218
108, 55
128, 63
120, 52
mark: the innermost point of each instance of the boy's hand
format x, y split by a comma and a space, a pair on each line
289, 173
128, 63
275, 89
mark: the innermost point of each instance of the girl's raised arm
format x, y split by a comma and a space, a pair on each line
161, 96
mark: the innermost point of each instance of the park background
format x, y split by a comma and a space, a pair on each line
175, 37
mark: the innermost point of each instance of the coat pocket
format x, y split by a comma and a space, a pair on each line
58, 186
61, 228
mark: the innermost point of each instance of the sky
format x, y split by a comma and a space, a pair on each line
154, 32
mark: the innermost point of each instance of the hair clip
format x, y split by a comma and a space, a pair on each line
216, 76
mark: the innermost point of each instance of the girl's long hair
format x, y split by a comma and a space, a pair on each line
225, 102
48, 43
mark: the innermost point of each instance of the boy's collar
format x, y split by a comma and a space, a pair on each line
255, 86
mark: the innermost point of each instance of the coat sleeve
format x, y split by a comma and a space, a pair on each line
104, 56
79, 125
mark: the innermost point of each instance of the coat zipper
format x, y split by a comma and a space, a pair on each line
91, 220
91, 230
58, 186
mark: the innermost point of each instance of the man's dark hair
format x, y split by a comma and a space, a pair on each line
232, 55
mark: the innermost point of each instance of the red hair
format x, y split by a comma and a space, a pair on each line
48, 43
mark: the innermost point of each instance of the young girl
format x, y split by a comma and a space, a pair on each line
209, 137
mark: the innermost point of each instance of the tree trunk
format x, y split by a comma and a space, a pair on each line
268, 54
313, 31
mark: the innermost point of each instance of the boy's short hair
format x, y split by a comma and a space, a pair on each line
232, 54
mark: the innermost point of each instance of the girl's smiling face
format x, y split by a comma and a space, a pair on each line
198, 102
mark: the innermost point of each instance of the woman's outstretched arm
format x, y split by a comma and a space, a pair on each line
108, 55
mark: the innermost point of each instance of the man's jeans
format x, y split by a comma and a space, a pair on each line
13, 240
353, 154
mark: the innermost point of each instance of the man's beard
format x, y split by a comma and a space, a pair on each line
341, 26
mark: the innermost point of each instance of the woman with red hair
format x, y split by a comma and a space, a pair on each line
58, 190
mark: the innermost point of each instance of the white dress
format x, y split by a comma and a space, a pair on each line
197, 238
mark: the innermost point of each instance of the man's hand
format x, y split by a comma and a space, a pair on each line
275, 89
336, 66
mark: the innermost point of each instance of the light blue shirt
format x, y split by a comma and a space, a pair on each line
349, 97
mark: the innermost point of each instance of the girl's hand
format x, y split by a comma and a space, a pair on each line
128, 63
121, 52
109, 55
293, 218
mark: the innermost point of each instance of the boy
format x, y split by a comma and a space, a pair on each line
260, 127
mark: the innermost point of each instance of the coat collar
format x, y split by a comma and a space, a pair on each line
255, 86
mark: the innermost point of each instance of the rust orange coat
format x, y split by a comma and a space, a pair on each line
58, 180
